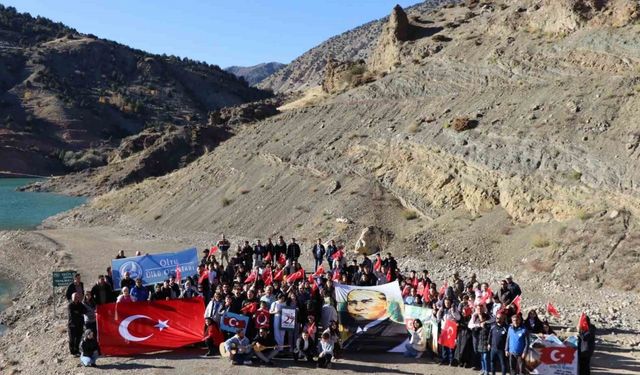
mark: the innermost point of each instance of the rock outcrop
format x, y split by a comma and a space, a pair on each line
343, 75
372, 240
397, 30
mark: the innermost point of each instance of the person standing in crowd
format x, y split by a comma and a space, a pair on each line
102, 291
483, 342
75, 324
513, 287
127, 281
125, 296
318, 253
212, 337
240, 348
224, 245
276, 312
586, 345
75, 287
269, 349
259, 252
139, 292
517, 344
205, 257
417, 342
189, 291
458, 285
90, 314
293, 250
331, 249
279, 248
533, 323
326, 351
89, 349
498, 344
447, 312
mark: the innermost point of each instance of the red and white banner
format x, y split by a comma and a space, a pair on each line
550, 356
128, 328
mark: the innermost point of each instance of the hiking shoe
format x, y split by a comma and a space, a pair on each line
419, 355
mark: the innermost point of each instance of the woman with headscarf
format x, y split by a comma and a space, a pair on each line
533, 323
89, 350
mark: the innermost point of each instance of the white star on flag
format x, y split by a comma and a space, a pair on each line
162, 324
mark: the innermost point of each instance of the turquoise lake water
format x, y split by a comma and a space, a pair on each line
26, 210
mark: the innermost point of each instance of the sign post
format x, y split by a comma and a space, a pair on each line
60, 278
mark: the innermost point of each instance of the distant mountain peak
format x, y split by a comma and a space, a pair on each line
256, 73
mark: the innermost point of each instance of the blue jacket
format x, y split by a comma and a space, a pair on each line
517, 340
139, 294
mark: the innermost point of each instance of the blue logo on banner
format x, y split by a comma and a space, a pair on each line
155, 268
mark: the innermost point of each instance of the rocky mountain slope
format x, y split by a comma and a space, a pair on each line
307, 70
256, 73
506, 109
67, 97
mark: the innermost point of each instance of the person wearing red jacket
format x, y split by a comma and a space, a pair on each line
212, 337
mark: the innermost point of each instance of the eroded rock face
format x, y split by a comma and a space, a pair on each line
372, 240
396, 31
342, 75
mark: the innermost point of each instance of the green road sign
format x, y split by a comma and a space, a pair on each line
63, 278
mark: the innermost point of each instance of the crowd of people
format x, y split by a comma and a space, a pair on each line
260, 280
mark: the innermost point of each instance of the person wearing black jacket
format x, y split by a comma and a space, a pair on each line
586, 347
264, 340
75, 287
127, 281
533, 323
293, 250
318, 253
497, 344
75, 324
89, 349
102, 291
279, 248
331, 249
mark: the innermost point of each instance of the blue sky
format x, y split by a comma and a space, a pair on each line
229, 32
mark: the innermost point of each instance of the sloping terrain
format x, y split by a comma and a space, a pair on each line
67, 97
489, 112
256, 73
307, 70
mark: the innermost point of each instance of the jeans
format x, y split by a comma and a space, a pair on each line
324, 361
318, 263
499, 355
241, 357
447, 355
484, 362
516, 364
409, 351
267, 357
88, 361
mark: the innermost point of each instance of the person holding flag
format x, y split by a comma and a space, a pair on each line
586, 344
331, 249
448, 317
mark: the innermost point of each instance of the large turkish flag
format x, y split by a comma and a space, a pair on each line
141, 327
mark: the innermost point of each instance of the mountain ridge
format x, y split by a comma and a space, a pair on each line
256, 73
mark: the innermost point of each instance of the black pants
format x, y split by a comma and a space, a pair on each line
516, 364
210, 345
498, 356
323, 362
75, 335
584, 365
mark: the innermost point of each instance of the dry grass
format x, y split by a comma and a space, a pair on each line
540, 241
409, 214
583, 215
539, 265
226, 202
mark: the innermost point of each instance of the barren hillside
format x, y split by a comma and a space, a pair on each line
256, 73
67, 97
505, 108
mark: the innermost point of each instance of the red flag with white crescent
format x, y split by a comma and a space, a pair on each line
282, 260
261, 319
279, 276
299, 274
557, 355
129, 328
449, 334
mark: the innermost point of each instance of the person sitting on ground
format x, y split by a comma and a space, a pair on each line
326, 351
417, 343
517, 344
533, 323
125, 296
139, 292
305, 347
334, 337
546, 328
239, 347
89, 349
265, 347
212, 337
